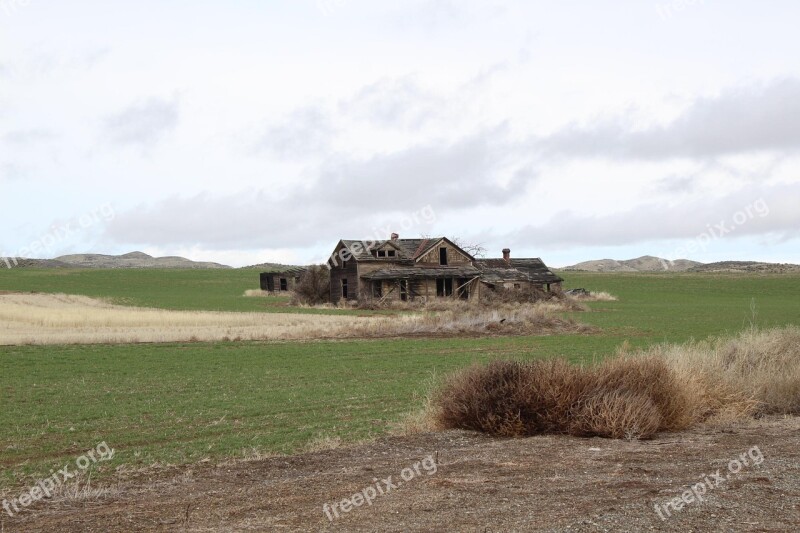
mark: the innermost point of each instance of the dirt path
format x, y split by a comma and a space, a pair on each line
479, 484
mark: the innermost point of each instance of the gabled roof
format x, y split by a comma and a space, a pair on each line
427, 244
500, 270
407, 249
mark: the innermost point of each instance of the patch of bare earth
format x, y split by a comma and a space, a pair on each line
547, 483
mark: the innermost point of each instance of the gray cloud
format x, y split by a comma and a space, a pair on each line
305, 131
347, 193
12, 172
142, 124
685, 220
677, 184
27, 137
751, 119
394, 102
462, 174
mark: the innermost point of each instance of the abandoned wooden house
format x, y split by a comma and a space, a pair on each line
421, 269
281, 281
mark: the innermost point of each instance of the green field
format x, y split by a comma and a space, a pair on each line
181, 403
195, 290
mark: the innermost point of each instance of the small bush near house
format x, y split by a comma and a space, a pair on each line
314, 286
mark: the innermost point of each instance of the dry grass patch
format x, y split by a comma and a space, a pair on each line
463, 318
599, 296
755, 373
256, 293
64, 319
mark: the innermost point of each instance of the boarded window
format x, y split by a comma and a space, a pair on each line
344, 288
443, 256
284, 284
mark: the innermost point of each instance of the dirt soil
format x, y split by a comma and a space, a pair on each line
480, 484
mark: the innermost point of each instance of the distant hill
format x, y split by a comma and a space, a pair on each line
275, 267
131, 260
747, 266
646, 263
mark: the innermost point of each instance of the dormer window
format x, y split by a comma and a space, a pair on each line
381, 253
390, 253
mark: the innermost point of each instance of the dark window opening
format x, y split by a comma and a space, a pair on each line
443, 256
403, 290
377, 289
444, 287
344, 288
381, 253
517, 286
284, 284
390, 253
547, 287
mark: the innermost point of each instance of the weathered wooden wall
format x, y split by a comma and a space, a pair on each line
348, 271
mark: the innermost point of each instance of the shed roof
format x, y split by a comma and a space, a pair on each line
291, 271
531, 269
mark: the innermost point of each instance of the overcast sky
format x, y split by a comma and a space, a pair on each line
250, 131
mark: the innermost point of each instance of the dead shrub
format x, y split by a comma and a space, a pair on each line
521, 295
621, 398
314, 286
617, 414
510, 398
646, 377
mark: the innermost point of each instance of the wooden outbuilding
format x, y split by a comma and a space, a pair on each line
284, 281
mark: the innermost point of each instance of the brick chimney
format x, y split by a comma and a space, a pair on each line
507, 255
395, 236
